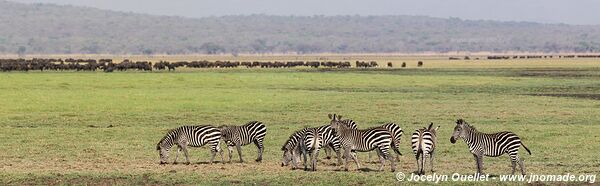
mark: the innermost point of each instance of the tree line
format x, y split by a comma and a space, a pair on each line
55, 29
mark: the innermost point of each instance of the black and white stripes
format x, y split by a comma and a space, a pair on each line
423, 143
193, 136
342, 135
363, 140
237, 136
482, 144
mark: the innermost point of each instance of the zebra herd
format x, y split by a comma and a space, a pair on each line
345, 139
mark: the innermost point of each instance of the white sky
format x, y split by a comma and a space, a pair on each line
545, 11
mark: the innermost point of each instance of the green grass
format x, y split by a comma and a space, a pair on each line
55, 129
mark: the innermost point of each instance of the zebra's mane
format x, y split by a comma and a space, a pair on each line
170, 133
470, 127
233, 126
292, 137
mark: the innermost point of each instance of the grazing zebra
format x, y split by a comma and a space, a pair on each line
291, 148
312, 143
239, 136
365, 140
193, 136
493, 145
423, 143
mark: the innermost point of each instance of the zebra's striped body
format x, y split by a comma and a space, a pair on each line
396, 132
330, 137
237, 136
423, 143
311, 146
363, 140
292, 147
493, 145
193, 136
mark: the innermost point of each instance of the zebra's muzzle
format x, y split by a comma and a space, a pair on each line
452, 140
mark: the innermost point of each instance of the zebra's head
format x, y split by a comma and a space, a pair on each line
459, 130
163, 152
287, 157
336, 121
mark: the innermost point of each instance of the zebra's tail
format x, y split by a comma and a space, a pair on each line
395, 148
526, 148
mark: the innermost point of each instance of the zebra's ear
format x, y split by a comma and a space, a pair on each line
339, 117
436, 128
430, 125
330, 116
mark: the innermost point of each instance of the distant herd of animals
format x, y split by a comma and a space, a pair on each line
345, 138
107, 65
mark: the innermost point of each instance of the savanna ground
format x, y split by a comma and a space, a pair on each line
102, 128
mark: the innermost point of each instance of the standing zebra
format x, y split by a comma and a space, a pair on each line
396, 132
239, 136
423, 143
493, 145
312, 143
330, 137
194, 136
393, 128
363, 140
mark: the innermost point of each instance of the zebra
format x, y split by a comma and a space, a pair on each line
363, 140
493, 145
193, 136
393, 128
291, 148
311, 146
238, 136
423, 143
330, 137
396, 132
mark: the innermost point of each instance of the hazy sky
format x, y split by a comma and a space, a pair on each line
546, 11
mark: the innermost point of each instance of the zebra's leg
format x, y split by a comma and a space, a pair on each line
396, 147
230, 149
339, 156
294, 160
187, 157
431, 161
213, 153
220, 152
239, 150
176, 155
513, 164
304, 151
521, 165
392, 162
381, 159
418, 157
355, 160
478, 161
327, 152
314, 159
422, 171
347, 155
261, 148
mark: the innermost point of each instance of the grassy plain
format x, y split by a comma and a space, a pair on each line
102, 128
